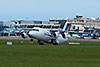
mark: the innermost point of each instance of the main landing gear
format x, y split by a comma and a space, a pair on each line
54, 42
40, 42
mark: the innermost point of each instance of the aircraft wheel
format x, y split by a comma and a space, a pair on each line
40, 42
55, 43
31, 39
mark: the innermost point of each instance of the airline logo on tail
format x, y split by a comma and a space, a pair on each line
67, 27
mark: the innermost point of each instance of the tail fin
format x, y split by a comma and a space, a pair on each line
66, 27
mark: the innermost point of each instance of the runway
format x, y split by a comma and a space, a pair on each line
19, 37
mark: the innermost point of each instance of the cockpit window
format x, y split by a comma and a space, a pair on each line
34, 30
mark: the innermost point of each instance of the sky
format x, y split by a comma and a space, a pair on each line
46, 9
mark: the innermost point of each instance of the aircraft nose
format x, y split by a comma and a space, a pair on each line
31, 34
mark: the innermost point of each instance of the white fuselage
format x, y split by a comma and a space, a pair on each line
46, 36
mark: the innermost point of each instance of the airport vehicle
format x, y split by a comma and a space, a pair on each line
88, 32
49, 36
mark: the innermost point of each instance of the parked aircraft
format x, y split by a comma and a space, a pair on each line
49, 36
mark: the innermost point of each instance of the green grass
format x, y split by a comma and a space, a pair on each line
26, 54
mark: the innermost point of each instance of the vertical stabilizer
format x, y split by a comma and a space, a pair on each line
67, 27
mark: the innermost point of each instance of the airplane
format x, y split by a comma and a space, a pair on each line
48, 36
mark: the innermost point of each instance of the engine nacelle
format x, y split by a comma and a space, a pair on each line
57, 34
24, 35
64, 35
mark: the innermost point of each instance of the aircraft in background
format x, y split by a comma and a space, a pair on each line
48, 36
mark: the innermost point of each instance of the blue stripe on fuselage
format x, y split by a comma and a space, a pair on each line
47, 34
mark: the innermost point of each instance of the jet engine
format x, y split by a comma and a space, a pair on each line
24, 35
55, 34
63, 34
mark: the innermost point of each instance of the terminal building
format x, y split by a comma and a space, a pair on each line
88, 22
86, 25
78, 24
14, 28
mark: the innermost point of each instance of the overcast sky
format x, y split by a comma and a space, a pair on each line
46, 9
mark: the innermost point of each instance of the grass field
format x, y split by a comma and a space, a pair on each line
25, 54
